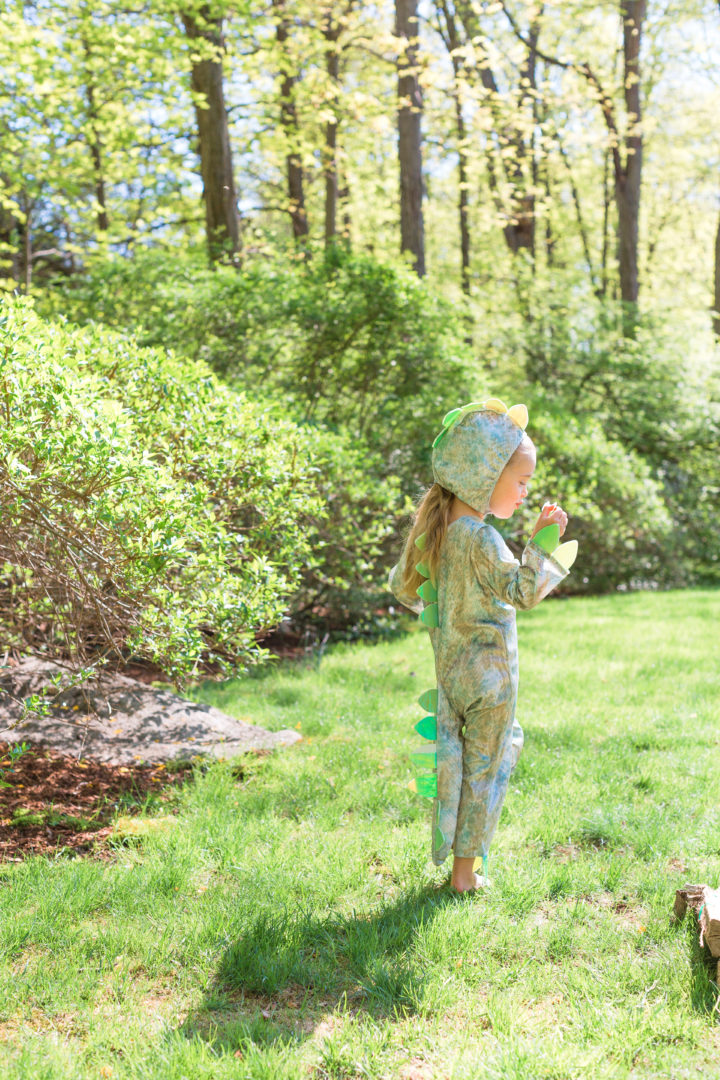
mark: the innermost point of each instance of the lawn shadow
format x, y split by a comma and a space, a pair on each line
286, 977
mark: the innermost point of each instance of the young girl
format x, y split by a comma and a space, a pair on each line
482, 463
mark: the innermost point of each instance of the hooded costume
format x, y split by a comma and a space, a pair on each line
474, 740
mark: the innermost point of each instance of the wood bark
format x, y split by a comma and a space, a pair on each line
412, 233
519, 210
331, 33
222, 221
291, 127
628, 178
96, 148
9, 241
452, 43
716, 310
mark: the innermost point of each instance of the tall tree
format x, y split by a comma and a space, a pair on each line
204, 27
628, 174
716, 309
510, 156
290, 123
331, 28
412, 232
449, 32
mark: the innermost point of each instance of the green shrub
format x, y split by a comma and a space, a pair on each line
345, 340
648, 406
628, 428
148, 510
616, 509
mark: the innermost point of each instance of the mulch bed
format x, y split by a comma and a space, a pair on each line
56, 803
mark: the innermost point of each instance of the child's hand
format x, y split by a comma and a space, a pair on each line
551, 514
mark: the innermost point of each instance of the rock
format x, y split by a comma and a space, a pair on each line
121, 722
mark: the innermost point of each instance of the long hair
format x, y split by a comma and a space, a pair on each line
431, 518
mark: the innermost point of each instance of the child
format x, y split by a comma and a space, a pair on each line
482, 463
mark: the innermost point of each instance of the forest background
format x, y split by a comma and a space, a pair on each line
251, 254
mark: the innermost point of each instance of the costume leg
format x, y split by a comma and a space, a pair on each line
492, 747
449, 778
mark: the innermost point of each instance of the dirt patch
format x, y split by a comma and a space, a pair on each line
54, 802
120, 721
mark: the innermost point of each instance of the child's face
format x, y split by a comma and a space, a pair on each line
512, 486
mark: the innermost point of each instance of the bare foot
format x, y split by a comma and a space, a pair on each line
477, 881
464, 878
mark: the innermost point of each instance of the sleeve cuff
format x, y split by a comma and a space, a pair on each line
537, 558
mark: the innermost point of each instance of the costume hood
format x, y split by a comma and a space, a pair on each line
474, 447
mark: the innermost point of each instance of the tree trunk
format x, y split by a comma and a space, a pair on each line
95, 144
222, 222
519, 209
452, 43
412, 237
331, 33
9, 241
344, 201
627, 180
291, 129
463, 197
716, 312
606, 225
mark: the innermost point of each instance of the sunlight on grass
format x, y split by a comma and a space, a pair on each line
290, 923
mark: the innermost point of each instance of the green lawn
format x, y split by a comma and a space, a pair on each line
287, 922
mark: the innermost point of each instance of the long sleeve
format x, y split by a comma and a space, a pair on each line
521, 584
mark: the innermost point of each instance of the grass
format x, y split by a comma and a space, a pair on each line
287, 922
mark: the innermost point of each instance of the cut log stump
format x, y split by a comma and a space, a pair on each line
704, 902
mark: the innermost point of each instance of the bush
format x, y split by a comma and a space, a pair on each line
648, 404
616, 509
628, 427
148, 510
343, 340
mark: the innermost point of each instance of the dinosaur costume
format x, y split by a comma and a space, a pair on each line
470, 612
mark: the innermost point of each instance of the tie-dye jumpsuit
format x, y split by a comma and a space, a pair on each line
480, 584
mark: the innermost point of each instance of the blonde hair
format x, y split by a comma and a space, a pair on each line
431, 517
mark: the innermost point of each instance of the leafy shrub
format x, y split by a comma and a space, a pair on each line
345, 340
628, 431
616, 508
649, 408
145, 508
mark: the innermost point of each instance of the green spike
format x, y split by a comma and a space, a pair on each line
437, 438
426, 785
424, 759
422, 569
421, 542
439, 837
449, 417
428, 592
427, 727
429, 700
548, 538
429, 616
